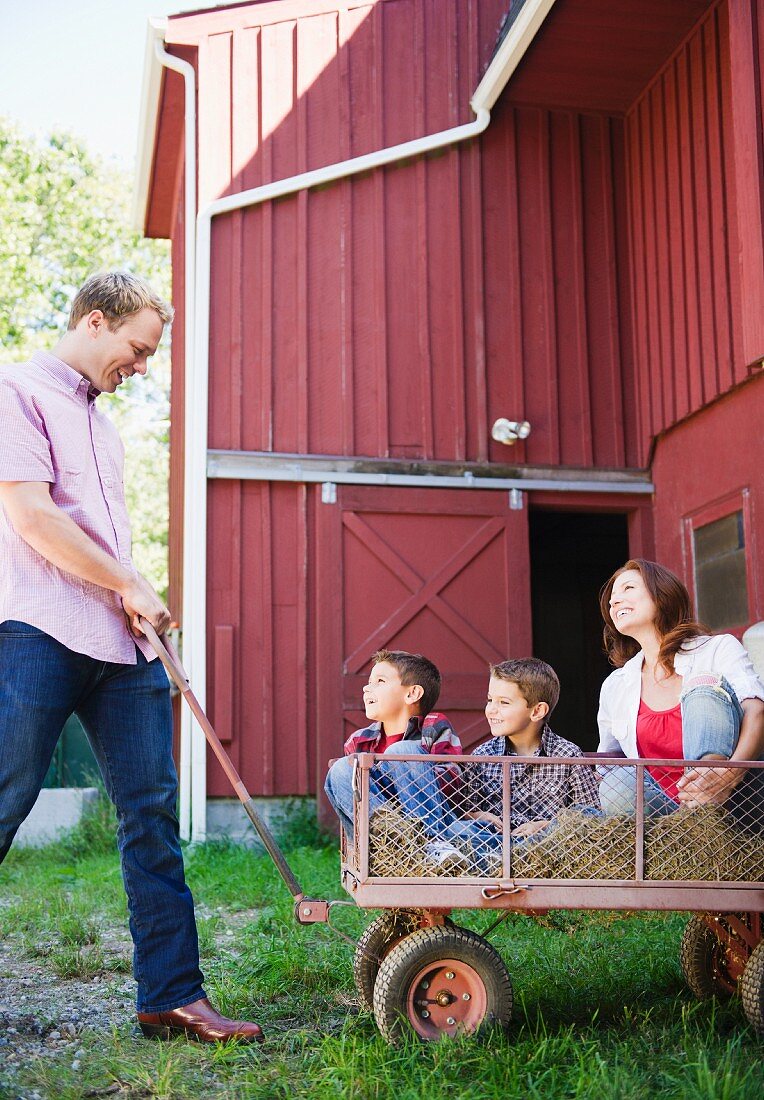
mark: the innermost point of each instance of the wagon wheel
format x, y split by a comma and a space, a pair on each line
442, 982
752, 989
703, 958
377, 939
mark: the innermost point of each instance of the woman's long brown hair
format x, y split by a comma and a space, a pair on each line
673, 621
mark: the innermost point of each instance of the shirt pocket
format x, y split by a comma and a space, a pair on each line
66, 490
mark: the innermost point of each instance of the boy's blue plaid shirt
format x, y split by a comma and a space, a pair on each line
539, 791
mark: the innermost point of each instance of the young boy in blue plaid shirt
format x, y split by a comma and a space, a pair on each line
521, 696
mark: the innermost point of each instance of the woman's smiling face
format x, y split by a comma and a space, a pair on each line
631, 605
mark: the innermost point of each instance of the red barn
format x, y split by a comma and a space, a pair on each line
417, 218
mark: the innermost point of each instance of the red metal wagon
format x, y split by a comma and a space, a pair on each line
414, 967
417, 969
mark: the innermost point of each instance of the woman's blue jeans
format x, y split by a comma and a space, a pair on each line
711, 717
125, 711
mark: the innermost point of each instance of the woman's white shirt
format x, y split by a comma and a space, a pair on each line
720, 654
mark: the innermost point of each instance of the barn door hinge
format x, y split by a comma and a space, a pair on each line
516, 500
328, 492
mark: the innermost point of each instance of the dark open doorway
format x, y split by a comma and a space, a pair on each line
572, 555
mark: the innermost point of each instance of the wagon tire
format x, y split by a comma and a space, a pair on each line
376, 940
703, 958
441, 982
752, 989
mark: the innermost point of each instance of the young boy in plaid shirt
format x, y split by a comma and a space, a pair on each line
399, 698
521, 696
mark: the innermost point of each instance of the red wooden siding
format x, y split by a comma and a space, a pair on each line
580, 265
697, 319
553, 223
698, 464
387, 316
303, 592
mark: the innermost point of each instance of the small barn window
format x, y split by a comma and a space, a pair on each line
721, 584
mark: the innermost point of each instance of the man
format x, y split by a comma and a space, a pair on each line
70, 638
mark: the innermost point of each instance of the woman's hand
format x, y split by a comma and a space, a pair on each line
703, 786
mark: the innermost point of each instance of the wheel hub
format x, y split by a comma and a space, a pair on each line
458, 1006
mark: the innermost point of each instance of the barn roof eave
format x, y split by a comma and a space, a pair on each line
147, 122
518, 31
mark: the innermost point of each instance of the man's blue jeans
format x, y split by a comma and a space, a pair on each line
125, 711
415, 785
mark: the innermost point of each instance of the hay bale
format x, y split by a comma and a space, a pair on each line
398, 848
578, 847
702, 843
396, 844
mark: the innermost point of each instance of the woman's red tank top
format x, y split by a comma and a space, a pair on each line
659, 735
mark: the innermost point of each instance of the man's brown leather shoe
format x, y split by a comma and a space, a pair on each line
199, 1021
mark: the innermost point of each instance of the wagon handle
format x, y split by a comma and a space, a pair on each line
168, 655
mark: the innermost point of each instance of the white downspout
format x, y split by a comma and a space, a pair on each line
195, 562
186, 70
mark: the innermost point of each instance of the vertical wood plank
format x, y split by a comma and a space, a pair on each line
684, 351
567, 226
224, 681
748, 154
722, 350
606, 366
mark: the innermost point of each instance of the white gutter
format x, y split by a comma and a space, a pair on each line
148, 121
196, 391
190, 735
510, 53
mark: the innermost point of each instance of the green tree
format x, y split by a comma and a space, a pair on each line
64, 214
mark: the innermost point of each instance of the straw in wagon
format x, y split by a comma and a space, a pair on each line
704, 843
398, 847
579, 847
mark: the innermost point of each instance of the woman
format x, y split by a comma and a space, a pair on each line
677, 693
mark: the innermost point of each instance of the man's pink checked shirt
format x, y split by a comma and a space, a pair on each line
52, 431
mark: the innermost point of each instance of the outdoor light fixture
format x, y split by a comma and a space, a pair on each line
509, 431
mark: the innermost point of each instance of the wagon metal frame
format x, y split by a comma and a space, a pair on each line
417, 970
532, 894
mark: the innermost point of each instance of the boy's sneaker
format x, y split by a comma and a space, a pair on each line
445, 858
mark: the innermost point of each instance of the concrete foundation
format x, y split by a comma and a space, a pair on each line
227, 819
56, 810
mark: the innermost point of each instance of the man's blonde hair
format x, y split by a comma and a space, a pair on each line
118, 295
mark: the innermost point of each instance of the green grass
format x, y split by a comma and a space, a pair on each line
601, 1010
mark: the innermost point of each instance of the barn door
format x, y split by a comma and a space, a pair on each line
433, 571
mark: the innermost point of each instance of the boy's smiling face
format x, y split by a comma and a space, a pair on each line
385, 698
508, 712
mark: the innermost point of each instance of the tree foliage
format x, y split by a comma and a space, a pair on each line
64, 214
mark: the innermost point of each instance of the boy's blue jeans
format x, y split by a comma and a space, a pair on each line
415, 785
484, 838
711, 718
125, 711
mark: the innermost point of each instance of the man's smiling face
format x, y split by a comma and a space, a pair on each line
118, 353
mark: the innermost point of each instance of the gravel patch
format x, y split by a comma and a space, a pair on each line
43, 1016
46, 1017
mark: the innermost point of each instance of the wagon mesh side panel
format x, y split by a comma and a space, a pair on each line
476, 837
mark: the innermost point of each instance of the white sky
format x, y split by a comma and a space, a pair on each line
78, 65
